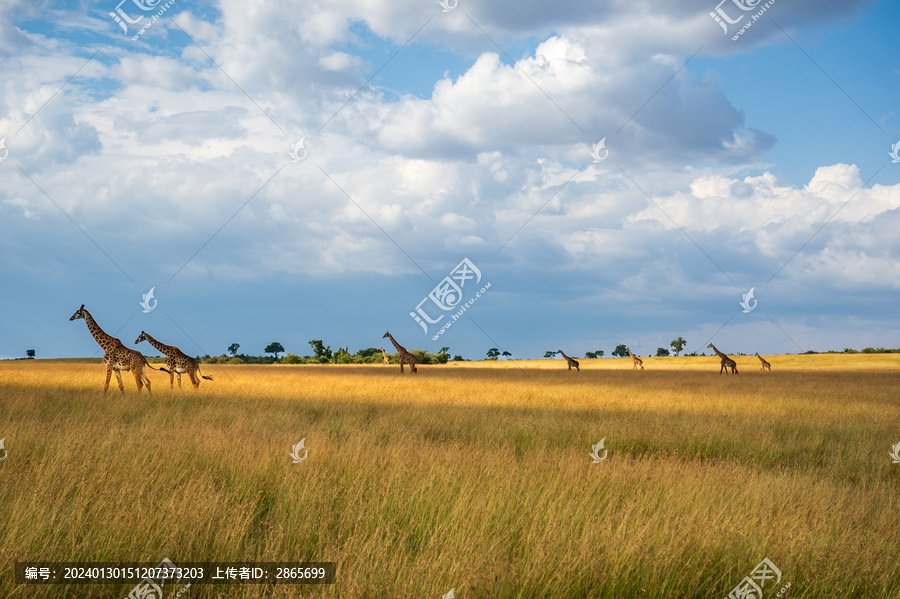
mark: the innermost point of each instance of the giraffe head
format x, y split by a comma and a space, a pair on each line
386, 335
143, 337
82, 313
710, 345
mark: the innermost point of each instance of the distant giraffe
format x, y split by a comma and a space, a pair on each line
726, 361
571, 361
765, 365
402, 354
635, 360
387, 360
117, 356
178, 362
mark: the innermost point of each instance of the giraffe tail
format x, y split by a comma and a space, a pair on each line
160, 368
209, 378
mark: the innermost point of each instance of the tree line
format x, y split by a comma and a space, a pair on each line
621, 351
321, 354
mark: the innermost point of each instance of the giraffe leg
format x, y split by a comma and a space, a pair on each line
119, 378
146, 380
137, 379
179, 380
195, 380
108, 375
401, 365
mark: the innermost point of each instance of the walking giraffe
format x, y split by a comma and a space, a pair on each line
765, 365
402, 354
726, 361
117, 356
385, 356
178, 362
635, 361
570, 361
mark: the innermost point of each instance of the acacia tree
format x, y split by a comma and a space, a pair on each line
233, 348
549, 354
274, 348
678, 345
493, 353
507, 355
661, 351
29, 353
620, 351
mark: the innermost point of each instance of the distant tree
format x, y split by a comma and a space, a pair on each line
678, 345
342, 356
233, 348
549, 354
493, 353
506, 355
661, 351
322, 353
599, 353
457, 358
274, 348
444, 350
620, 351
29, 353
590, 354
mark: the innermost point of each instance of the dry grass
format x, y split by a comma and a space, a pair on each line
470, 475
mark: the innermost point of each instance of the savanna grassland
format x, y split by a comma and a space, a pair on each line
473, 476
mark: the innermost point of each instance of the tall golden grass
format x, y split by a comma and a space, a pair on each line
473, 476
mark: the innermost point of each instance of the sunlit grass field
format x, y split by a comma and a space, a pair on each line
467, 476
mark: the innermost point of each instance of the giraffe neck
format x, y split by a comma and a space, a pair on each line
168, 350
105, 341
563, 355
718, 353
399, 347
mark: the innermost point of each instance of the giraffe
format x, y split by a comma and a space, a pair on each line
386, 359
178, 362
117, 356
635, 360
726, 361
402, 354
571, 361
765, 365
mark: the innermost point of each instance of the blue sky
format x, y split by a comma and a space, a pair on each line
164, 162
